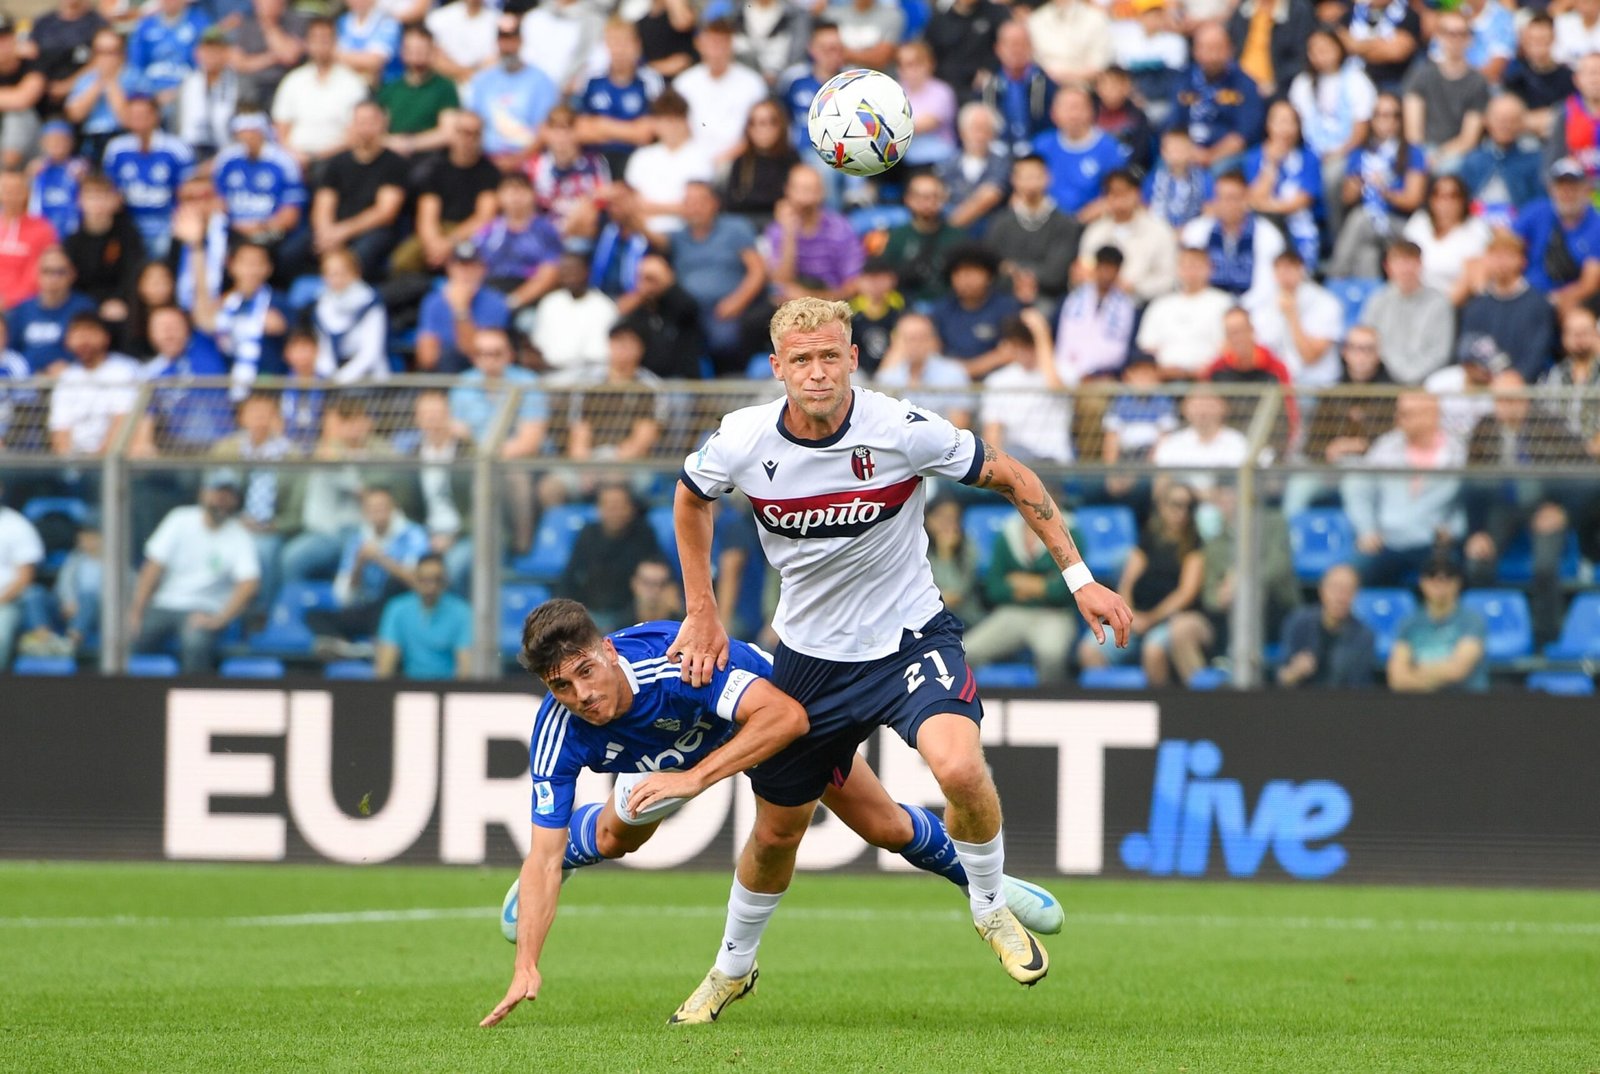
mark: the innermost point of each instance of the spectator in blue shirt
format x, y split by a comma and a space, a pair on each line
477, 398
161, 47
369, 41
1079, 154
1562, 234
1502, 173
427, 633
100, 93
1019, 90
968, 319
616, 105
1218, 103
1441, 645
378, 562
454, 311
182, 418
259, 181
38, 327
56, 175
149, 165
512, 98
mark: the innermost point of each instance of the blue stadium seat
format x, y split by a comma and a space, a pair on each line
40, 506
878, 218
1113, 678
1580, 632
917, 13
1319, 538
982, 524
660, 519
1210, 679
1516, 560
354, 670
1109, 534
286, 633
1006, 676
45, 665
1510, 624
1352, 295
152, 665
1564, 683
252, 667
304, 291
516, 601
1383, 610
553, 543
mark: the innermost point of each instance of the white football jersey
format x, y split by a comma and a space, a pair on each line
841, 517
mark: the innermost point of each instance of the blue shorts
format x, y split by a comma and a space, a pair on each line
847, 701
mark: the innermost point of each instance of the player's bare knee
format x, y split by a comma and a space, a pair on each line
963, 778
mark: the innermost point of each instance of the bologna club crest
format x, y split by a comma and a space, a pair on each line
861, 464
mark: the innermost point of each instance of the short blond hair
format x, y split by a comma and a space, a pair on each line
807, 315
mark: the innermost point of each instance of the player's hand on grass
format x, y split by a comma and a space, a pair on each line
1100, 605
524, 985
701, 647
659, 787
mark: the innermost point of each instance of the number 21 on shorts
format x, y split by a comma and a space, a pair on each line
915, 677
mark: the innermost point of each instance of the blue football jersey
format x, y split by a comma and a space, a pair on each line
149, 180
254, 189
670, 725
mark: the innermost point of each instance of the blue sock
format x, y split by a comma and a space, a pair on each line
930, 847
581, 839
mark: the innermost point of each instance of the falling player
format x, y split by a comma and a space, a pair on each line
617, 705
834, 475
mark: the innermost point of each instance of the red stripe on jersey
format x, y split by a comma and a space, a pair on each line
834, 514
888, 496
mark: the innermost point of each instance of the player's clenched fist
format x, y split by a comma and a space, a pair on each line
524, 985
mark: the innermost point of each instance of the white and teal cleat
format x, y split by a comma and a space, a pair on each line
508, 906
1037, 909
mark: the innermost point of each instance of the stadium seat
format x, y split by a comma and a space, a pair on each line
516, 601
660, 519
1383, 610
1109, 534
982, 525
1210, 679
40, 506
1516, 561
1319, 538
354, 670
45, 665
1006, 676
1113, 678
878, 218
251, 667
303, 292
286, 633
553, 543
1510, 624
1580, 632
152, 665
1352, 295
1564, 683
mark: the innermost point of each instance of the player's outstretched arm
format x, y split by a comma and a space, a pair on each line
539, 887
770, 719
1020, 485
702, 643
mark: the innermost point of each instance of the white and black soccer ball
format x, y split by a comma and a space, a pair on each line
860, 122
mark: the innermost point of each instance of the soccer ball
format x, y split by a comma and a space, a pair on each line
860, 122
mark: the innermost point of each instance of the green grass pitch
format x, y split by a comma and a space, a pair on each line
246, 968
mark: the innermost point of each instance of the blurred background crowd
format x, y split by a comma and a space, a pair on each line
1138, 244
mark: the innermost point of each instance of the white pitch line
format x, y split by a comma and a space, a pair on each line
1122, 920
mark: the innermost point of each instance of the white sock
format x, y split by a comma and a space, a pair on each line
748, 913
984, 863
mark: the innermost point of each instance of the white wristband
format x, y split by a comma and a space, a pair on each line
1077, 576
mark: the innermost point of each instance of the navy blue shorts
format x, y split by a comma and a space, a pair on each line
846, 702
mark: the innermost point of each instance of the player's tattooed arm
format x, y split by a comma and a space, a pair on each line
1020, 485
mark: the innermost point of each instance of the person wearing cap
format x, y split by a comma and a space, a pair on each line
200, 572
208, 96
263, 193
162, 46
38, 327
1513, 316
1072, 39
56, 175
22, 89
1095, 329
455, 310
1440, 646
149, 165
512, 98
1153, 54
968, 319
1562, 235
1400, 517
455, 198
314, 104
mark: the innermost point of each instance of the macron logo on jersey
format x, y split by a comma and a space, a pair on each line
832, 514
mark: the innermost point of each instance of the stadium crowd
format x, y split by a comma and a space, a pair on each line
567, 195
